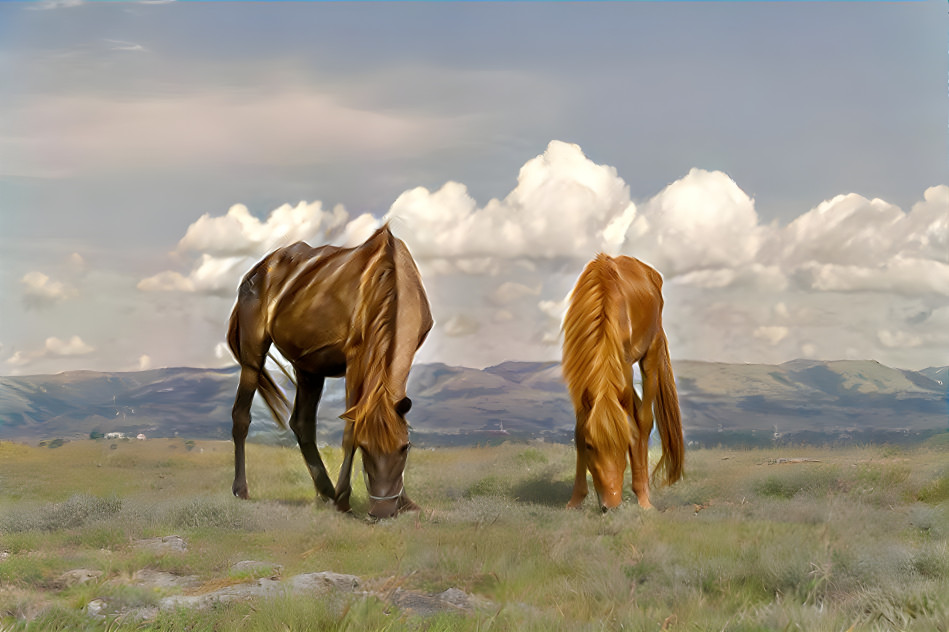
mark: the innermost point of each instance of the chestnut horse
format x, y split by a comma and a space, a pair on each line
331, 312
613, 321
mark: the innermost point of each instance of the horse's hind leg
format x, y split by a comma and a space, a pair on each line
240, 415
639, 454
649, 368
303, 424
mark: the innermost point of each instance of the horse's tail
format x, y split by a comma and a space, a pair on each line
593, 354
273, 396
370, 345
668, 420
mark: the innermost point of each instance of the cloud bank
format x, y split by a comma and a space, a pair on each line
737, 289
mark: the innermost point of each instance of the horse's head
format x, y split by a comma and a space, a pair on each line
384, 467
607, 465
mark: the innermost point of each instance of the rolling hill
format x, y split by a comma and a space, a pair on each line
727, 404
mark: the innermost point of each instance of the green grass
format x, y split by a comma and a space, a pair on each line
854, 539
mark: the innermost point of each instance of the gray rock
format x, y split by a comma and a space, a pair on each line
260, 588
77, 576
324, 582
455, 597
164, 544
96, 608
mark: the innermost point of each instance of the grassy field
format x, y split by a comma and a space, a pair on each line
796, 539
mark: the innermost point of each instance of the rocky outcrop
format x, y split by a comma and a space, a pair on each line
251, 579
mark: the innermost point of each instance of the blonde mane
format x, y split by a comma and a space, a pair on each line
370, 347
593, 355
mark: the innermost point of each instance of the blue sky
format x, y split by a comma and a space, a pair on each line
782, 164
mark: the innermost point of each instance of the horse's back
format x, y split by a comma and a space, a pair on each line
311, 305
316, 292
269, 275
637, 302
641, 288
635, 272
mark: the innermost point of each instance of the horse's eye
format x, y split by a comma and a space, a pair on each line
406, 447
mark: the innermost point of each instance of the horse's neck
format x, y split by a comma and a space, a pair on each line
412, 322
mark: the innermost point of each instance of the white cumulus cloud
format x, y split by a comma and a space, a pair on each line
54, 348
703, 221
39, 290
853, 244
564, 205
72, 347
224, 247
846, 230
238, 233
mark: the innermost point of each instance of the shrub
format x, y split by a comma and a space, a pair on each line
212, 513
936, 491
531, 456
489, 486
812, 481
74, 512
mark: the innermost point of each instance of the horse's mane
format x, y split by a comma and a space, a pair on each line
370, 347
593, 355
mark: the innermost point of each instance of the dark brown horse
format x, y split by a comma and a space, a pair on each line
613, 321
333, 312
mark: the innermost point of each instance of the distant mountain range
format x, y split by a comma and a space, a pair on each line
729, 404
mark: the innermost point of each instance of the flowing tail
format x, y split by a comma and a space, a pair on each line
593, 355
370, 346
668, 420
273, 396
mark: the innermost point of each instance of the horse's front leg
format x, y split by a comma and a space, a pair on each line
303, 424
580, 488
344, 486
639, 458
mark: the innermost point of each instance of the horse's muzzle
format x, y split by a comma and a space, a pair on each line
384, 509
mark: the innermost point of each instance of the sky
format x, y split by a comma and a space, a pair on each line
783, 165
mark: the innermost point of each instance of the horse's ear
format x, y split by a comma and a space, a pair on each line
403, 406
